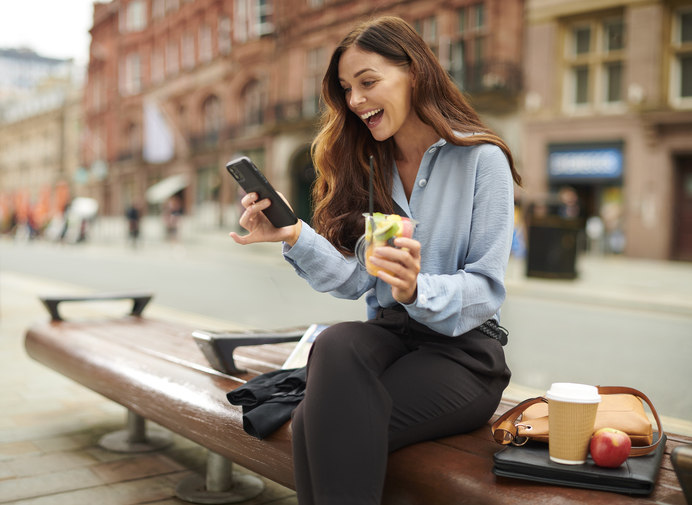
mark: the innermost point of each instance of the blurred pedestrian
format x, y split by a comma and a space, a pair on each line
133, 215
171, 217
568, 206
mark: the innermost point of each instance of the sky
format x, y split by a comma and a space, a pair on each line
53, 28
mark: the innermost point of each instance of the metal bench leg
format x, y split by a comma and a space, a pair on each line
136, 438
221, 484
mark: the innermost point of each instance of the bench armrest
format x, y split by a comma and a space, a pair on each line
139, 301
218, 347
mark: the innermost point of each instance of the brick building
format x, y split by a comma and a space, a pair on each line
176, 88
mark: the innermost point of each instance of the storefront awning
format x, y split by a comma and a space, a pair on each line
166, 188
83, 208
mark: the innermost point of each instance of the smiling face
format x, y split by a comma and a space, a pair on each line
377, 91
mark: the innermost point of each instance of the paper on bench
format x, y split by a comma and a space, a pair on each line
299, 356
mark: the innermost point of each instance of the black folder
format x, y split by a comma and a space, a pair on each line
637, 475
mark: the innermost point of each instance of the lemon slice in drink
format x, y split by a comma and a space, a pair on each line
385, 231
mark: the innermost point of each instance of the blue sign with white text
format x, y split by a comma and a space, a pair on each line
595, 163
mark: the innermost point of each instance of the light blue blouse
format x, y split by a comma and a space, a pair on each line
463, 202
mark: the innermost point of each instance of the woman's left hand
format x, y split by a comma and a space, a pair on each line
402, 265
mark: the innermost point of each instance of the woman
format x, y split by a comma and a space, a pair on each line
423, 365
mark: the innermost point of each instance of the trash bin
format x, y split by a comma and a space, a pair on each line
552, 247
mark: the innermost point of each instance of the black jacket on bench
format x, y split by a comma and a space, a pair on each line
269, 399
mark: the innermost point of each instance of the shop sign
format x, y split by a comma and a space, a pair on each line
585, 163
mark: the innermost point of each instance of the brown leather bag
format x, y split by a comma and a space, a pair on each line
621, 408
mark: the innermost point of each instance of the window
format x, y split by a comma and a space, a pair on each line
240, 19
264, 17
133, 138
130, 77
212, 117
594, 64
614, 35
135, 18
613, 82
478, 16
681, 60
208, 185
582, 40
427, 28
581, 85
157, 66
188, 51
172, 63
254, 102
204, 43
315, 67
224, 35
252, 19
158, 9
467, 52
686, 76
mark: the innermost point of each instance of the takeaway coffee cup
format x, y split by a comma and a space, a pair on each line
571, 415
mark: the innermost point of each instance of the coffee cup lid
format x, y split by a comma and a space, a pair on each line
575, 393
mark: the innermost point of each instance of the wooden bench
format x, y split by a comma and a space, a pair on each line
156, 370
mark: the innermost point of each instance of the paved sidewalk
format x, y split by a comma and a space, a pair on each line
661, 285
617, 280
50, 425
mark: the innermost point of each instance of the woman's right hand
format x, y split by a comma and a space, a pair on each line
259, 227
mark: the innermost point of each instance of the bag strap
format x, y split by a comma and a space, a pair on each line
504, 429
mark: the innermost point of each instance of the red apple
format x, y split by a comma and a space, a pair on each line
610, 447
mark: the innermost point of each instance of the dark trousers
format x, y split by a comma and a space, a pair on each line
376, 386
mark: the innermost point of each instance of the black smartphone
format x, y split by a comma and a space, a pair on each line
252, 180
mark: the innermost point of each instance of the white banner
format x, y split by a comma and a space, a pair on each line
159, 144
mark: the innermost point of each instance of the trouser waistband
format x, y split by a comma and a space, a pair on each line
490, 328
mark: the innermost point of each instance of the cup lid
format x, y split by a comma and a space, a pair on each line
575, 393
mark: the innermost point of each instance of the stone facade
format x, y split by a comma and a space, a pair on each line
612, 80
39, 154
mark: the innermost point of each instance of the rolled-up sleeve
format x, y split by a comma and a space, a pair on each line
317, 261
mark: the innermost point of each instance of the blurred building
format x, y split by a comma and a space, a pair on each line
177, 88
40, 122
608, 112
22, 70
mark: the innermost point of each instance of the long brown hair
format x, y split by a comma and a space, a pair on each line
343, 146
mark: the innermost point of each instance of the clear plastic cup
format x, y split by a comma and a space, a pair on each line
381, 230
